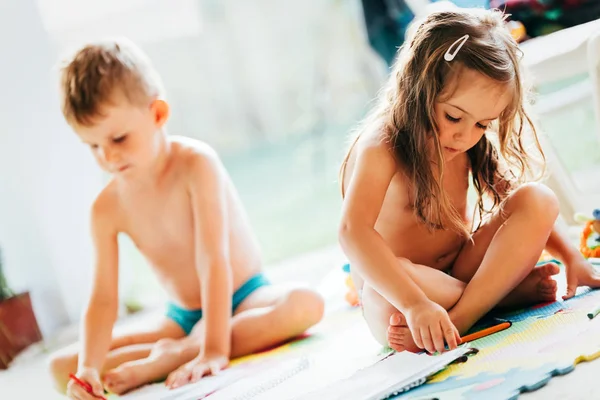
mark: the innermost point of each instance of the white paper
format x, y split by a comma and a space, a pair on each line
194, 391
382, 379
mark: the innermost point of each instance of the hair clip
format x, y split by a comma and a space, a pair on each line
448, 56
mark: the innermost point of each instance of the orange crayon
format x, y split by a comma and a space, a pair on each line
486, 332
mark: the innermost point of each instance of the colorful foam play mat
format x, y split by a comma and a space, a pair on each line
339, 359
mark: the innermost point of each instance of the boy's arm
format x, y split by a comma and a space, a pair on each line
211, 241
101, 312
579, 272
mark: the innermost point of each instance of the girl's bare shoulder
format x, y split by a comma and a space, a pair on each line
372, 158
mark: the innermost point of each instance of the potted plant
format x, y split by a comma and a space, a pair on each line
18, 326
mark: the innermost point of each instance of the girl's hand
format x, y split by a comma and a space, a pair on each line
204, 364
580, 273
430, 326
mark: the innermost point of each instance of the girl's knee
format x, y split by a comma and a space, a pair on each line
539, 199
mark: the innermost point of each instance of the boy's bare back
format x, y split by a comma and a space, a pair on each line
160, 220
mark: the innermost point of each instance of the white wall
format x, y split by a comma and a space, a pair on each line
47, 179
233, 80
239, 73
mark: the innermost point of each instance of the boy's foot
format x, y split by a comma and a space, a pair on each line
127, 376
537, 287
399, 336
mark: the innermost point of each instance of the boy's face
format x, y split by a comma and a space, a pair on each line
125, 138
463, 117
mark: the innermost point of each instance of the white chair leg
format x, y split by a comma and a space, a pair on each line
561, 184
593, 56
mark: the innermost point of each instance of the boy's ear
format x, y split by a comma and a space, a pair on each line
160, 111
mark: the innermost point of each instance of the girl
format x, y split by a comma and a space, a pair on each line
454, 107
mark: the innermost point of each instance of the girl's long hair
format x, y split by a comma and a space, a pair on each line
404, 113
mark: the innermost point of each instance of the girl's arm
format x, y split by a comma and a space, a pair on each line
560, 246
579, 272
368, 253
374, 260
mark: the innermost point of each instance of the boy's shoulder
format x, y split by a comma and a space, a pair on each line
191, 147
193, 154
105, 205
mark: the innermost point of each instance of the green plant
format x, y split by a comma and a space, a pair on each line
5, 291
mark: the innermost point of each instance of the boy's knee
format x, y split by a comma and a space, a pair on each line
164, 346
60, 366
304, 305
538, 198
177, 348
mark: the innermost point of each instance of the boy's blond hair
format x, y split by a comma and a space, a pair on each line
100, 71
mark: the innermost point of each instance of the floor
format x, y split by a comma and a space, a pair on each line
28, 379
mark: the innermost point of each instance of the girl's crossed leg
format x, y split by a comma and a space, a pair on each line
497, 268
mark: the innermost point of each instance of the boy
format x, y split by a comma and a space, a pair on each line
173, 197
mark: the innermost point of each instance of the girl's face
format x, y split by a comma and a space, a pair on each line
466, 107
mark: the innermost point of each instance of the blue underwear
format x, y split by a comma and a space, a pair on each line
187, 319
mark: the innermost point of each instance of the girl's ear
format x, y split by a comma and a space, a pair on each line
160, 112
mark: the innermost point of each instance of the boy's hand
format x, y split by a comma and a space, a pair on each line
193, 371
580, 273
89, 376
430, 326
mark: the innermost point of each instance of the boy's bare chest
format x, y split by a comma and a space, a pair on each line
159, 223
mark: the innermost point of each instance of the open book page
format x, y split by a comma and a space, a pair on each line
335, 370
394, 374
255, 386
199, 390
295, 378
